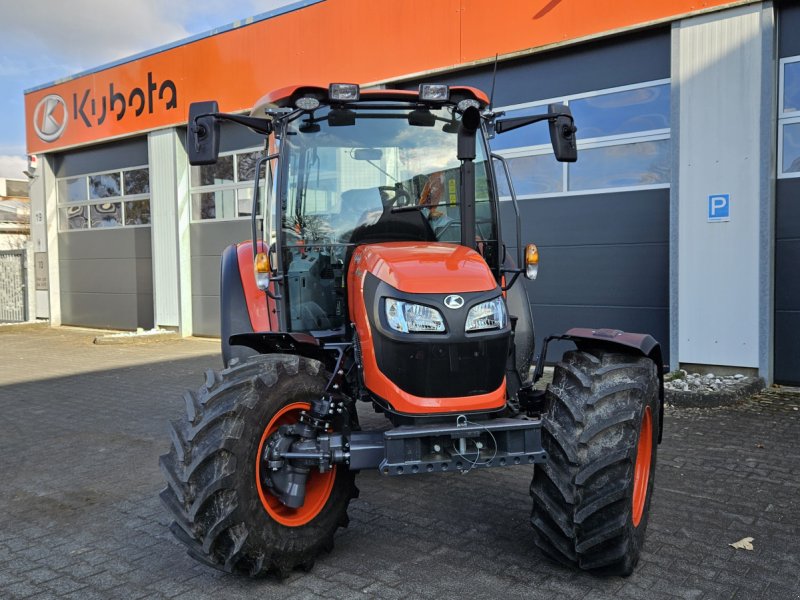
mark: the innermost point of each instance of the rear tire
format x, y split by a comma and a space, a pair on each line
591, 499
219, 510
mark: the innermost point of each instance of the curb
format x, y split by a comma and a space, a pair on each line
120, 340
705, 399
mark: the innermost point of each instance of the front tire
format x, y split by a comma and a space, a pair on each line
222, 513
591, 499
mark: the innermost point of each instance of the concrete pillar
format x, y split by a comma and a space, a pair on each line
722, 197
169, 213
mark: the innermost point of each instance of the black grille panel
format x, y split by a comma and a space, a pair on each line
433, 370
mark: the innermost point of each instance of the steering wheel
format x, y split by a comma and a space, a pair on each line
391, 195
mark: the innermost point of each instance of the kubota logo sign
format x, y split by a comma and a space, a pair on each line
50, 117
103, 108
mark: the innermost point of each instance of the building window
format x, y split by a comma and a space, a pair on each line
102, 200
623, 142
789, 118
224, 190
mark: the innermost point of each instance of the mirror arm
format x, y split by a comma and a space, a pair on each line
256, 124
504, 125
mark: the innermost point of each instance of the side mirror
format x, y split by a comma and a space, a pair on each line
562, 133
470, 121
202, 143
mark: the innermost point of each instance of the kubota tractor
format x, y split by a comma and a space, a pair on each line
378, 272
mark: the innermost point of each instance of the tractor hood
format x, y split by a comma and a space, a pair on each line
424, 267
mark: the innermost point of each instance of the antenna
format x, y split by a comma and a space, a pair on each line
494, 78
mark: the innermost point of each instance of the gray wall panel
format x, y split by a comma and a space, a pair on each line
787, 286
102, 157
103, 275
788, 28
107, 243
106, 278
205, 315
107, 311
592, 66
787, 347
611, 275
208, 240
633, 217
787, 282
205, 275
604, 262
787, 212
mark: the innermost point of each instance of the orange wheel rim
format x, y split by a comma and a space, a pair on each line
641, 473
318, 486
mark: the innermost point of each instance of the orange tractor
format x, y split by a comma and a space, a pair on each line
378, 272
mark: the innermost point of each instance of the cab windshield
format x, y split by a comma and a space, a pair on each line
343, 178
369, 176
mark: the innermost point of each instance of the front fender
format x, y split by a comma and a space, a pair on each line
621, 341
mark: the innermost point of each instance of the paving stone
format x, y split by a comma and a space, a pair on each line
83, 426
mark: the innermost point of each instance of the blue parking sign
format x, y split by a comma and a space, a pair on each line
719, 208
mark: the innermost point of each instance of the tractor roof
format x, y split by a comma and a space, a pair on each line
287, 96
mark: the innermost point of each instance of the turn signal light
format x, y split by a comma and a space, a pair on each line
262, 270
531, 261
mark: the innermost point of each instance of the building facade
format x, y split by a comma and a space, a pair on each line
681, 217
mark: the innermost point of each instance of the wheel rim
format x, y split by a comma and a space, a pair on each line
641, 473
318, 486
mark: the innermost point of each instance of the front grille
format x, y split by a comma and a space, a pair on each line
433, 370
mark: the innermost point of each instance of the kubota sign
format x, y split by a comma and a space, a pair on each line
89, 110
307, 45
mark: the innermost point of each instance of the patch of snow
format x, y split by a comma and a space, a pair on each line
139, 332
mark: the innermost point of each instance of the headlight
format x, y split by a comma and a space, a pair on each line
487, 315
406, 317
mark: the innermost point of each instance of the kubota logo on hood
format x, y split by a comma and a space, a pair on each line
50, 117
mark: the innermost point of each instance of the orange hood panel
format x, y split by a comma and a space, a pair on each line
425, 268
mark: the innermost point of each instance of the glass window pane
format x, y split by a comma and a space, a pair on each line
106, 215
217, 174
246, 165
530, 135
244, 201
791, 87
791, 148
74, 217
137, 212
213, 205
104, 186
540, 174
137, 181
617, 113
642, 163
72, 190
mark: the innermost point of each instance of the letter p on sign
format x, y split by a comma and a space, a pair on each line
719, 208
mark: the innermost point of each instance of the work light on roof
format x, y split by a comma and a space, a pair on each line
343, 92
434, 92
466, 103
307, 103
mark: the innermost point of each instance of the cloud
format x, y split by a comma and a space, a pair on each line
86, 33
13, 166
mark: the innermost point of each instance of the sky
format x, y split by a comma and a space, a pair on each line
46, 40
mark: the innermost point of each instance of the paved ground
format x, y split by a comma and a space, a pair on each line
81, 428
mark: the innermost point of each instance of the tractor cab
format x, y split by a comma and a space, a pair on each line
384, 170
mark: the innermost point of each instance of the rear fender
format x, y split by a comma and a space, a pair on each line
631, 343
243, 307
